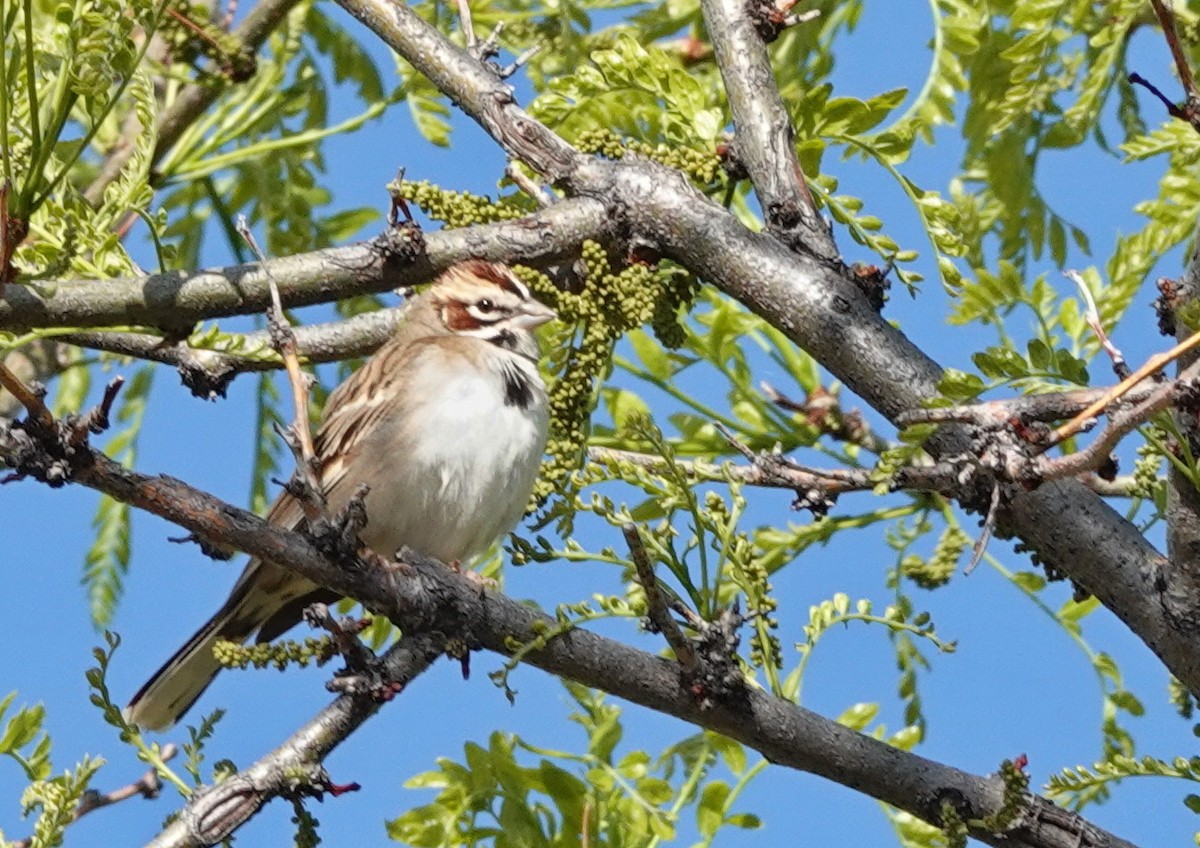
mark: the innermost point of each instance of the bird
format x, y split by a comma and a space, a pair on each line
446, 423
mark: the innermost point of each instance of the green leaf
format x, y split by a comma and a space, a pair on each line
959, 385
22, 728
655, 790
652, 355
858, 716
623, 405
732, 752
1127, 701
710, 811
560, 784
1030, 581
850, 116
748, 821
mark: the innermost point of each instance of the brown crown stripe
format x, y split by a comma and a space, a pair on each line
493, 273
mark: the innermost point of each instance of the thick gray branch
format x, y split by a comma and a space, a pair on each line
423, 596
177, 300
294, 768
208, 372
482, 94
819, 309
765, 138
1181, 570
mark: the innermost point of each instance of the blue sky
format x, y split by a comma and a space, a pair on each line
1016, 684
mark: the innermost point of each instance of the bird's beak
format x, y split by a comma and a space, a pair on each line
534, 314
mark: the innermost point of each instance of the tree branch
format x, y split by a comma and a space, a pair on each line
293, 769
1181, 569
1121, 422
1052, 406
658, 613
765, 138
818, 308
1190, 111
148, 786
176, 300
208, 372
425, 596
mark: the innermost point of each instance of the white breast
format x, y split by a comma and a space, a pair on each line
462, 477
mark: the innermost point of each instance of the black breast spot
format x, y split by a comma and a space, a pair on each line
517, 389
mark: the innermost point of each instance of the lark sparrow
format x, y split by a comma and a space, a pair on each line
446, 423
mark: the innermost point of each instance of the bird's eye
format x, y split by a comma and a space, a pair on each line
486, 305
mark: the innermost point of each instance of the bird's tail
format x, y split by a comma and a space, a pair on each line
172, 690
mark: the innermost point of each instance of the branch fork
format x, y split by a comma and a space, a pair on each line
707, 661
43, 447
364, 674
772, 17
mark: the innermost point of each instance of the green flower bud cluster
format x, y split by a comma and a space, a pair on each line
1146, 480
278, 654
1016, 798
765, 647
306, 825
749, 574
953, 825
455, 208
939, 568
702, 167
609, 304
1183, 700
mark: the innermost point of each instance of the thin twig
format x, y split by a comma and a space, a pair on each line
1121, 424
365, 673
1190, 110
1027, 409
1119, 487
773, 471
736, 443
12, 233
985, 535
148, 786
490, 46
1172, 109
657, 610
818, 488
522, 181
28, 398
516, 64
208, 372
284, 341
823, 410
1153, 365
468, 26
96, 420
1166, 17
1092, 316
